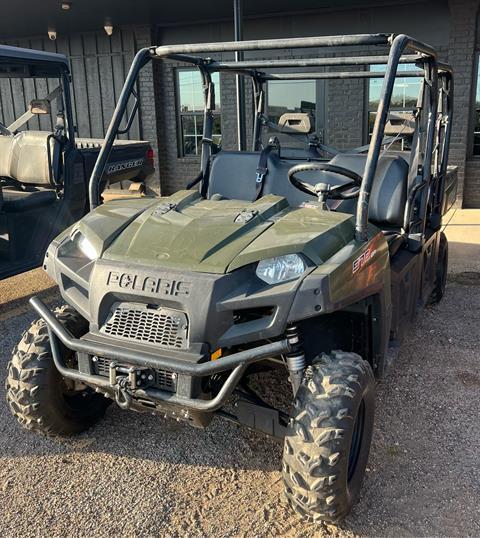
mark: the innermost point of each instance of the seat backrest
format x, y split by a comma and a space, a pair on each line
232, 175
6, 144
29, 161
389, 190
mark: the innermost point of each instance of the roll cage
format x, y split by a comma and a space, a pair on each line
433, 112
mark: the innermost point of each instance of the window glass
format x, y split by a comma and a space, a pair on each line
404, 99
190, 100
476, 126
290, 96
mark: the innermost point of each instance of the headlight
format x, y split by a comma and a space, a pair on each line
281, 268
85, 246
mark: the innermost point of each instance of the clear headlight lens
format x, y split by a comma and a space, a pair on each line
85, 246
281, 268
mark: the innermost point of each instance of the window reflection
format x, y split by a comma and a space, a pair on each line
290, 96
476, 127
190, 110
404, 99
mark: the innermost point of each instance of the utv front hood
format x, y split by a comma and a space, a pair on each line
187, 232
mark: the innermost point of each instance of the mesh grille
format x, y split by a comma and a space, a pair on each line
161, 326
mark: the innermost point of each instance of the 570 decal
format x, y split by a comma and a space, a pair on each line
359, 262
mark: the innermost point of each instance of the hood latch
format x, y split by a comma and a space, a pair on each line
246, 215
164, 208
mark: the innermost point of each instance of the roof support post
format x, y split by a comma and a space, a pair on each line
240, 86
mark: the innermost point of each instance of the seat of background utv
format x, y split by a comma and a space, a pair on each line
24, 159
232, 175
18, 201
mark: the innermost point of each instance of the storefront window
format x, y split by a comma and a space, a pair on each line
190, 111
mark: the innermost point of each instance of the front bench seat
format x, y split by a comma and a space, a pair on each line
232, 176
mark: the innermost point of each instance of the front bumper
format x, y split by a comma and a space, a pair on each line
172, 361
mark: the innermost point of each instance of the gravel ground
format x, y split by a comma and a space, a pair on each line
144, 476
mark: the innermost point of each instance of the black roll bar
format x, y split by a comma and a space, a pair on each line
308, 62
141, 58
399, 44
403, 49
334, 75
272, 44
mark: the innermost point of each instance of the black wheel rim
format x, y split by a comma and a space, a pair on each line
356, 444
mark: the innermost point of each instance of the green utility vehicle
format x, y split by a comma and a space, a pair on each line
44, 166
310, 261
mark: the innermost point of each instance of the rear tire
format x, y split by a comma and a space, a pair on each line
328, 438
38, 396
440, 271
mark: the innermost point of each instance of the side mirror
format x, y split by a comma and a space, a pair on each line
39, 106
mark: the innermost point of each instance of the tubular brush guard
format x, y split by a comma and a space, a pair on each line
236, 362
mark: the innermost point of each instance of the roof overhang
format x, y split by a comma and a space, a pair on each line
18, 62
27, 18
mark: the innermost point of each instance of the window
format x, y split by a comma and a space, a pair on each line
190, 111
476, 121
290, 96
404, 99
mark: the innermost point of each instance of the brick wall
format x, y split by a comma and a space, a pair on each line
471, 190
461, 55
453, 34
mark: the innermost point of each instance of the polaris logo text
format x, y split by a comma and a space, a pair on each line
150, 284
126, 165
362, 260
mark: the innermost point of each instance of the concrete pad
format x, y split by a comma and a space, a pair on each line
462, 228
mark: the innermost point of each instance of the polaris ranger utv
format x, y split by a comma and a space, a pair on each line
44, 167
309, 260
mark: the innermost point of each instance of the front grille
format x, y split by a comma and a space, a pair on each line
146, 377
160, 326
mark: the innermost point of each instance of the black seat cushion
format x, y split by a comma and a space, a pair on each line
389, 191
16, 201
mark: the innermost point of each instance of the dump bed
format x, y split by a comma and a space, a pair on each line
129, 160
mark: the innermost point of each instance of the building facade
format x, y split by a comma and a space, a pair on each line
170, 94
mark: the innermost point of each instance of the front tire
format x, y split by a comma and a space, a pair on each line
328, 438
38, 396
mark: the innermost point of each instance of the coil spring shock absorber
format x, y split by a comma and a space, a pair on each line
295, 357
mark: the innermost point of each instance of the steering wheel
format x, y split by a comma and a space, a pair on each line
336, 192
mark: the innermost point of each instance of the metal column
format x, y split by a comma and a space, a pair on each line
240, 87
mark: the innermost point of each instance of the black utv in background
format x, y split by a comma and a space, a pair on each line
44, 173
